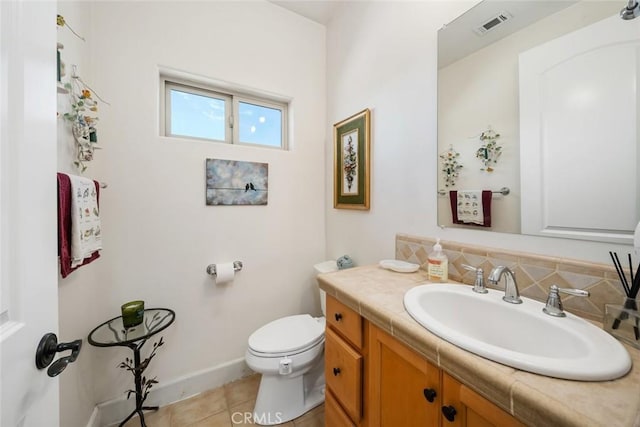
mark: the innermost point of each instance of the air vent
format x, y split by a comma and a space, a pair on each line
493, 23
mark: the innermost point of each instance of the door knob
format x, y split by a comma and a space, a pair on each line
47, 349
449, 412
430, 394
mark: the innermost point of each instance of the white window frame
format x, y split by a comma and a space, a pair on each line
232, 99
194, 90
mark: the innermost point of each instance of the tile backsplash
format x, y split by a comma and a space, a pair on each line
534, 273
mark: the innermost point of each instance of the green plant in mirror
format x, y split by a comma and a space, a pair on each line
450, 166
489, 152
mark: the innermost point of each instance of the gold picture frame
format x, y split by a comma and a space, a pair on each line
351, 174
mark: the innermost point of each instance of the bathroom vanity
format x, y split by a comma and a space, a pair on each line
344, 364
384, 369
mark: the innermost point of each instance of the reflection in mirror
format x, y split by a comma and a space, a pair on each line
568, 189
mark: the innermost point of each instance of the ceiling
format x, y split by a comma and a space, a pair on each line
319, 11
458, 38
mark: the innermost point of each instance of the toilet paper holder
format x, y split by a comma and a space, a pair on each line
211, 268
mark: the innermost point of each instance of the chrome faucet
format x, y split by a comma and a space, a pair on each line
554, 303
478, 285
511, 293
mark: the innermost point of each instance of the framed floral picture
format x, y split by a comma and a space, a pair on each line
351, 162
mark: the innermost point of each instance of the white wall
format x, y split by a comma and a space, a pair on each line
158, 235
476, 92
382, 55
77, 304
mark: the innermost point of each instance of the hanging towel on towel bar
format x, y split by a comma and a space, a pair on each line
471, 207
79, 238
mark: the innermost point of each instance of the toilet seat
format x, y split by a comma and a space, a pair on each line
287, 336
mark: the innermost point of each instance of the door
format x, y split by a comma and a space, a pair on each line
464, 407
405, 387
28, 265
579, 106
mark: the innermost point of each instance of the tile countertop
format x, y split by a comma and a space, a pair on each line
377, 294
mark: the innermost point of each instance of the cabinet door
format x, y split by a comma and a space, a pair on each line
453, 411
403, 387
343, 373
472, 409
334, 415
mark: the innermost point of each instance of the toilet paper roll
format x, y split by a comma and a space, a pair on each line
224, 273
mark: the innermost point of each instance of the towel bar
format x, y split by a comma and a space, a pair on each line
504, 191
211, 268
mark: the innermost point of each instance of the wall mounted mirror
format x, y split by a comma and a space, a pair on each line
540, 97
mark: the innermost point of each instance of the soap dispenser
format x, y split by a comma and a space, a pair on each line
438, 264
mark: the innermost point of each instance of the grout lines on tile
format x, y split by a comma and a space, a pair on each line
228, 406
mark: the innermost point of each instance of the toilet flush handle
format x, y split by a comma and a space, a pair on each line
286, 366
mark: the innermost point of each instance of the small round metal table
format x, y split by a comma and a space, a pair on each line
113, 333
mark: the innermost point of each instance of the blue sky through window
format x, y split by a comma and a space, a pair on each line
197, 116
260, 125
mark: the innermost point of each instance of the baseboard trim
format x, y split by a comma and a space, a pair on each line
114, 411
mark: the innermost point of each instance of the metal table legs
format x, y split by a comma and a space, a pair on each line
139, 409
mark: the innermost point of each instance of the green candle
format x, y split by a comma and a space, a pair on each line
132, 313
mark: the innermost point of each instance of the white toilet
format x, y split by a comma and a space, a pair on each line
289, 353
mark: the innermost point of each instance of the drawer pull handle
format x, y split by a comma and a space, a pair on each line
430, 394
336, 371
449, 412
338, 317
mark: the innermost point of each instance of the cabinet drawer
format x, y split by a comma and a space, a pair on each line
334, 415
344, 320
343, 373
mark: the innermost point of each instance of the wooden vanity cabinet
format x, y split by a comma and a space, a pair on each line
344, 366
405, 389
374, 380
334, 415
471, 409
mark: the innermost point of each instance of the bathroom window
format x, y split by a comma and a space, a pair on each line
211, 113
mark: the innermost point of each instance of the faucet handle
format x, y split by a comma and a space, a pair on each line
478, 285
471, 268
574, 292
554, 303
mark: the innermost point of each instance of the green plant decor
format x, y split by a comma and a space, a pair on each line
450, 166
83, 120
61, 22
490, 151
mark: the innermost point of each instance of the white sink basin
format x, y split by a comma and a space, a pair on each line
518, 335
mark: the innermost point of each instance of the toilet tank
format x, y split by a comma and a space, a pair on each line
324, 267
